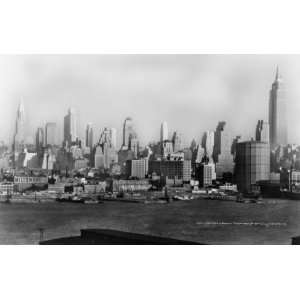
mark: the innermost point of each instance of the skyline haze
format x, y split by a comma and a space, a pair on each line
106, 89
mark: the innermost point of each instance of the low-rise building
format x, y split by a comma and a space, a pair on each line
56, 188
228, 187
295, 177
174, 172
95, 188
81, 163
6, 188
130, 185
24, 182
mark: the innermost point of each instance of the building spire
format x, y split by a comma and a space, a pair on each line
21, 105
277, 74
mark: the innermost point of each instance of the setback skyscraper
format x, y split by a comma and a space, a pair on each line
164, 135
105, 154
39, 138
128, 133
262, 131
177, 141
208, 141
51, 134
70, 127
89, 136
277, 113
222, 155
113, 137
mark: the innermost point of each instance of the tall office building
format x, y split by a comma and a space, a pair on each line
70, 127
19, 137
167, 148
51, 134
39, 138
177, 141
205, 173
164, 134
113, 137
89, 136
128, 133
208, 142
106, 153
193, 146
262, 131
134, 146
200, 154
222, 154
277, 113
252, 164
106, 137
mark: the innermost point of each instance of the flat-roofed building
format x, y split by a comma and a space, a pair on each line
252, 164
137, 168
205, 174
172, 171
51, 134
6, 188
130, 185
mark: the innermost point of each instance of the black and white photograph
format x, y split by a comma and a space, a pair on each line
150, 149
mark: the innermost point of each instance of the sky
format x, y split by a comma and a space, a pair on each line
192, 93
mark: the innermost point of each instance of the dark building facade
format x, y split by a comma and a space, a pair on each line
252, 164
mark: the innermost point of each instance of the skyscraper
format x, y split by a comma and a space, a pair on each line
222, 155
89, 136
134, 146
252, 164
105, 154
262, 131
19, 137
208, 141
164, 135
113, 137
177, 141
167, 148
51, 134
200, 154
39, 138
70, 127
277, 113
128, 133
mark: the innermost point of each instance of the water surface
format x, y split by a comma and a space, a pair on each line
205, 221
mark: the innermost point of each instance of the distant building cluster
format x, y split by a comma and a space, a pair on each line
219, 157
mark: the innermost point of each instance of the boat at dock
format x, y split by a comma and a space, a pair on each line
69, 199
183, 197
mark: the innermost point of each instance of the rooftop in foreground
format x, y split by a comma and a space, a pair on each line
115, 237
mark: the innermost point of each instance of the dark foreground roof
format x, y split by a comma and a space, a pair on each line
115, 237
296, 240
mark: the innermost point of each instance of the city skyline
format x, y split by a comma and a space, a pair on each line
204, 115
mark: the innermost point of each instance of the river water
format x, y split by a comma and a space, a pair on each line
205, 221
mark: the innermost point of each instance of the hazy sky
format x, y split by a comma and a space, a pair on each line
191, 92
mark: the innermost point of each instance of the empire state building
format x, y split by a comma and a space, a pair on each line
277, 113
